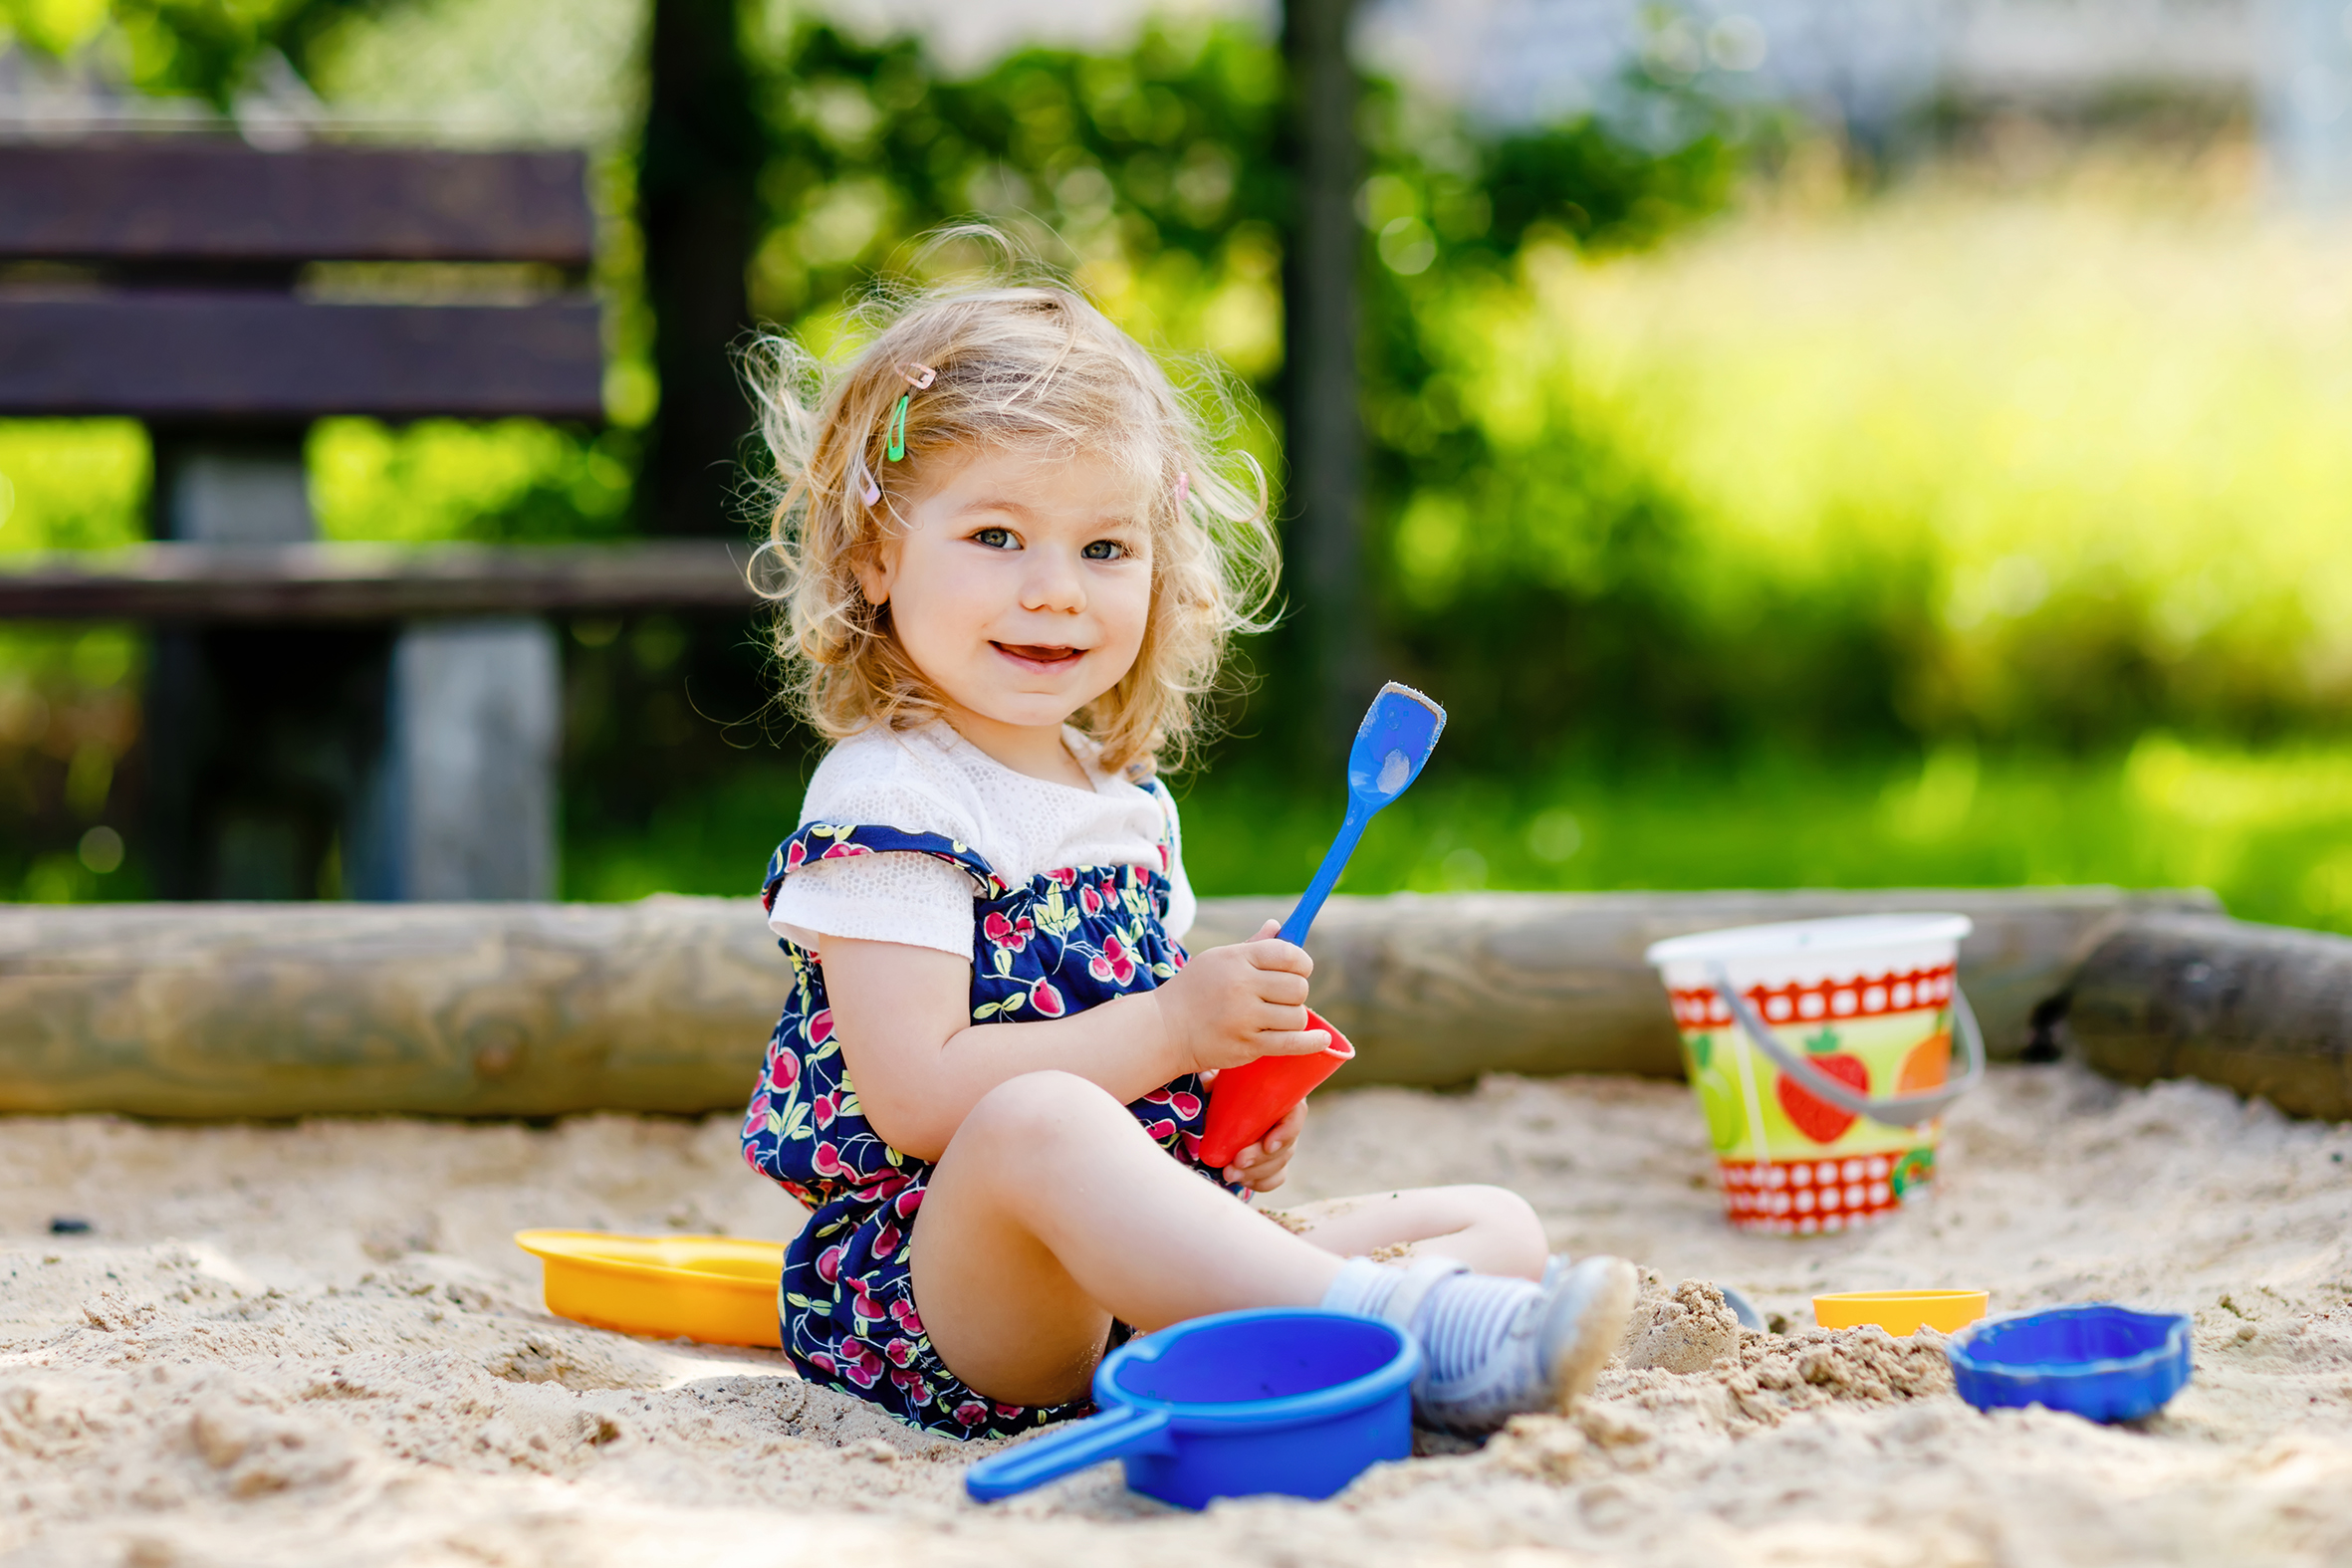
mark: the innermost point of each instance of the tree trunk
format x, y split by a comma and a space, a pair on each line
1324, 429
695, 199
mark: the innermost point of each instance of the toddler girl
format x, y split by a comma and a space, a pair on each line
1009, 562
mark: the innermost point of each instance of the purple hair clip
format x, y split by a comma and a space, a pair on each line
1183, 488
868, 490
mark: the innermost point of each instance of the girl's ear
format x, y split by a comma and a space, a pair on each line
877, 568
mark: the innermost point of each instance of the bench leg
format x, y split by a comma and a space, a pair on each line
464, 805
299, 762
259, 738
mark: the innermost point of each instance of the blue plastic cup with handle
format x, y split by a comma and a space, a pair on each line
1282, 1400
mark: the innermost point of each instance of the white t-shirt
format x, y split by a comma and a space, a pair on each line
930, 779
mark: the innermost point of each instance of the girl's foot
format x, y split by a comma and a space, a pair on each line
1742, 1308
1494, 1347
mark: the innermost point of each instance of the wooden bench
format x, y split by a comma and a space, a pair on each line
178, 282
228, 296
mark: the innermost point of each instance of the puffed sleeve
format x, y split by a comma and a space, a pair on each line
899, 896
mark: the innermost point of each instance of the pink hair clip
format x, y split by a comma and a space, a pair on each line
918, 375
868, 490
1183, 489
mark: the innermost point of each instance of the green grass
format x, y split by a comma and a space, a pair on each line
2271, 831
2073, 457
715, 842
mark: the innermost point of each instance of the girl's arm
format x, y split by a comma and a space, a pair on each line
919, 1063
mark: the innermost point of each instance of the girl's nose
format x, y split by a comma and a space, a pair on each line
1053, 582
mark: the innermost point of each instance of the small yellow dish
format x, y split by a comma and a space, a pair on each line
1900, 1313
720, 1290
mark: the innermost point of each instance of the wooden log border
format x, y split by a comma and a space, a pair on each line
1436, 990
227, 1010
2262, 1009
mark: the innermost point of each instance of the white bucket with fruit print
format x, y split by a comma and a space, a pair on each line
1821, 1053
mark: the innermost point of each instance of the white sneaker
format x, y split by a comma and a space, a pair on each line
1552, 1351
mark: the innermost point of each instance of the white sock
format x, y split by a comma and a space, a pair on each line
1464, 1320
1362, 1287
1460, 1320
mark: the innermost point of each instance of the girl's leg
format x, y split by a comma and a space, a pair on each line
1492, 1229
1050, 1212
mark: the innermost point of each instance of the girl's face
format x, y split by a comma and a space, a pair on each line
1020, 587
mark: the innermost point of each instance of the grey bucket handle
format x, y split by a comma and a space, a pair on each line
1905, 1110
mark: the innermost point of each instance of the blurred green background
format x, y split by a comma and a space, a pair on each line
1765, 514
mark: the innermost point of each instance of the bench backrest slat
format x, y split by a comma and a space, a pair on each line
218, 203
271, 360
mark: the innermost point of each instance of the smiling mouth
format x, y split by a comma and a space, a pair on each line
1043, 656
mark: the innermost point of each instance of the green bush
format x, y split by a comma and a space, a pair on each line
69, 704
2053, 470
508, 480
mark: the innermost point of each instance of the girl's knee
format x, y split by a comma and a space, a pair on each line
1515, 1230
1034, 1109
1500, 1204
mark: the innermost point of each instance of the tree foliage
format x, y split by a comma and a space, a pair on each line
1154, 174
205, 49
1121, 160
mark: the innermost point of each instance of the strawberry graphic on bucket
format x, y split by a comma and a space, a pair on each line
1790, 1030
1811, 1115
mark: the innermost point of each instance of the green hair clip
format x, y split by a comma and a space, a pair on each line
918, 376
897, 447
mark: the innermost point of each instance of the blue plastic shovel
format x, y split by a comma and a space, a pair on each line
1399, 731
1392, 745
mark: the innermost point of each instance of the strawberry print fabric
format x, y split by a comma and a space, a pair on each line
1068, 940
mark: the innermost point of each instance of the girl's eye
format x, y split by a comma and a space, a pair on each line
994, 538
1104, 550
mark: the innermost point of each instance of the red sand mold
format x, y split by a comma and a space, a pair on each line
1248, 1100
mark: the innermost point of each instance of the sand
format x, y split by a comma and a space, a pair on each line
300, 1345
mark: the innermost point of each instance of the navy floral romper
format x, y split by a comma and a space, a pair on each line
1068, 940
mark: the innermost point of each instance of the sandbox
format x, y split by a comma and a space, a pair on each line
313, 1343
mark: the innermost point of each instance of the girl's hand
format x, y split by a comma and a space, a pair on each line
1237, 1003
1260, 1166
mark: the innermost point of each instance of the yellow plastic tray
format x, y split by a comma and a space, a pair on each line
720, 1290
1900, 1313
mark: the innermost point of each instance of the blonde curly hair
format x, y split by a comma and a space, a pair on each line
1025, 366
